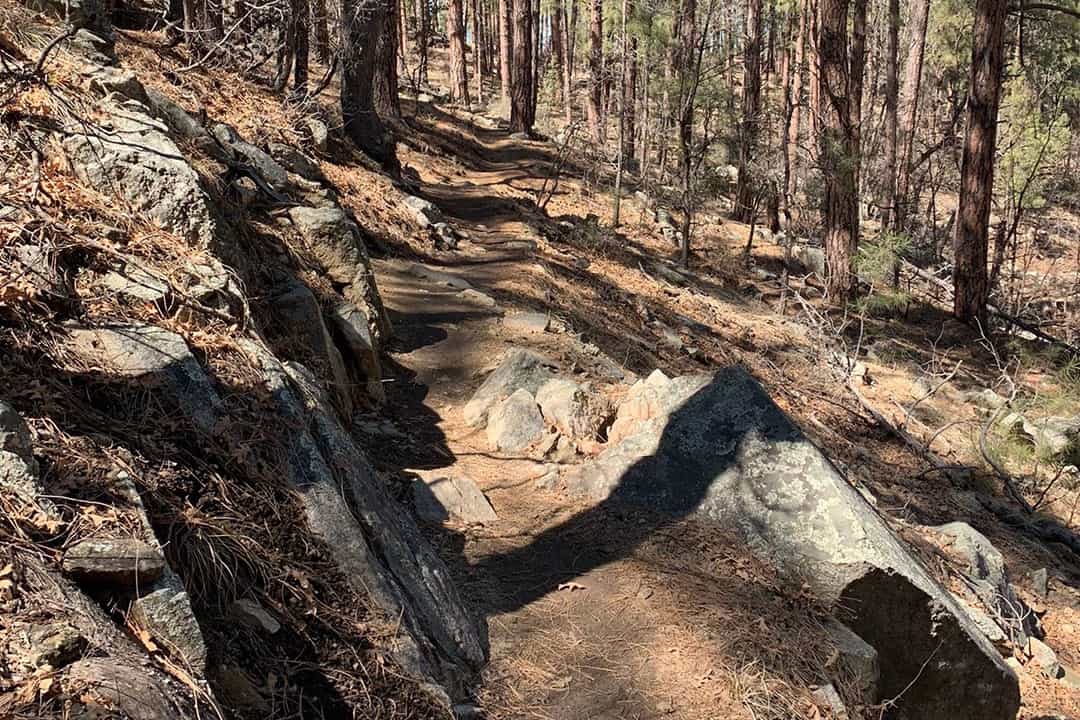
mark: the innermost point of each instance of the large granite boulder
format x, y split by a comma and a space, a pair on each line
150, 356
725, 453
376, 545
336, 242
133, 156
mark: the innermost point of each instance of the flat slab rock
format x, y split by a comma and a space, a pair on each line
121, 562
438, 499
515, 423
725, 453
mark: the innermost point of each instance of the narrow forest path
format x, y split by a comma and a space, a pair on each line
582, 624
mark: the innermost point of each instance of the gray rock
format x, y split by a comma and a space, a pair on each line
726, 454
254, 615
55, 644
519, 136
177, 118
827, 697
811, 258
529, 323
1040, 583
445, 237
134, 284
164, 610
515, 423
119, 562
1044, 658
19, 477
301, 319
374, 543
572, 408
336, 242
857, 660
91, 14
213, 285
521, 369
154, 357
244, 151
319, 134
425, 213
477, 298
134, 158
104, 80
1058, 437
38, 274
296, 162
985, 398
97, 47
439, 498
352, 328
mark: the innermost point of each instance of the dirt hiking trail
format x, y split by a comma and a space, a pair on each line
678, 623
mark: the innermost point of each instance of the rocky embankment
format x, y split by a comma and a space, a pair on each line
222, 336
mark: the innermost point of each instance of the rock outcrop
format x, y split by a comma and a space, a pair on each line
719, 449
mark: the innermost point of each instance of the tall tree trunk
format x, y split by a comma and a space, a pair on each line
536, 70
565, 62
286, 49
857, 66
300, 61
557, 55
630, 91
593, 109
791, 147
321, 30
478, 52
423, 35
403, 44
385, 87
814, 76
689, 57
971, 285
892, 81
521, 88
746, 192
623, 77
837, 154
909, 104
506, 46
455, 30
362, 23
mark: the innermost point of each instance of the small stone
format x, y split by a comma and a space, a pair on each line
858, 659
1070, 678
319, 134
253, 615
1040, 583
1044, 658
424, 212
828, 698
121, 562
515, 423
477, 297
55, 644
437, 499
165, 612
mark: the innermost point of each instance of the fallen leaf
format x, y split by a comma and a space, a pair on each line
571, 586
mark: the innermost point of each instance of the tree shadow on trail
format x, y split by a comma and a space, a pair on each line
698, 445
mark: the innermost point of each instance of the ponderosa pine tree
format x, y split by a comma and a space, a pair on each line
455, 31
837, 154
595, 97
970, 281
909, 105
385, 89
362, 22
522, 108
745, 191
506, 46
